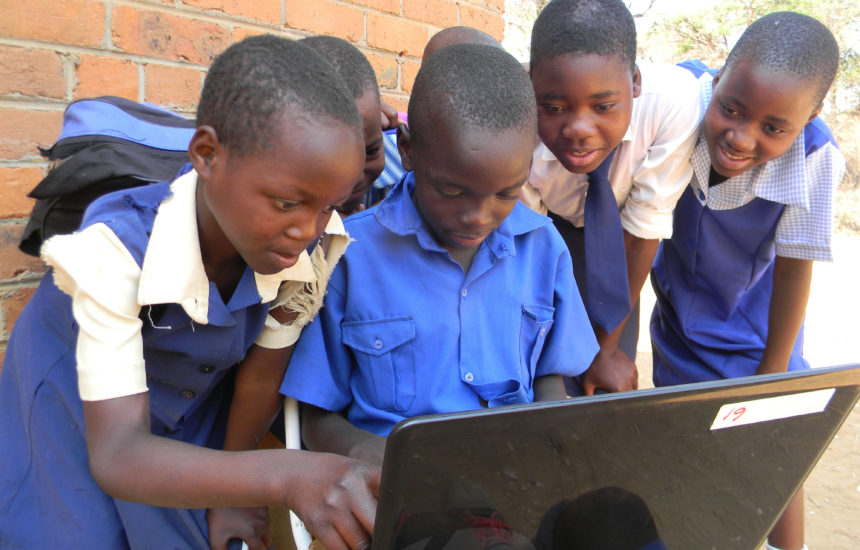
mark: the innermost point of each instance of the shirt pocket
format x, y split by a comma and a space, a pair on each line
536, 323
385, 355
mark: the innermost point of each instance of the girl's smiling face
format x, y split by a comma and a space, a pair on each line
754, 116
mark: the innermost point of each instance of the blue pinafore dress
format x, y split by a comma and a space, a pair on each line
48, 498
713, 282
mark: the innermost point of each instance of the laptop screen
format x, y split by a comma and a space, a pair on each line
708, 465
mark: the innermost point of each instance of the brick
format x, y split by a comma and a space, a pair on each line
14, 263
484, 20
98, 75
325, 17
497, 6
166, 36
15, 183
385, 67
241, 33
22, 130
267, 11
391, 6
12, 302
31, 73
395, 34
173, 86
398, 101
408, 71
441, 13
74, 22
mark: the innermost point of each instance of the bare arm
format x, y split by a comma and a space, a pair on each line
257, 398
333, 495
331, 432
792, 279
611, 369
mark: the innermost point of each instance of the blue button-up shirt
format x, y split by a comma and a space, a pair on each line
405, 332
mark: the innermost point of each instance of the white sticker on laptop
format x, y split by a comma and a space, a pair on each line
772, 408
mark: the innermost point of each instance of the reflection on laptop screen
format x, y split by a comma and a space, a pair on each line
708, 465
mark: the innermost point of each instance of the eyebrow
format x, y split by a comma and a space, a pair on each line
599, 95
373, 143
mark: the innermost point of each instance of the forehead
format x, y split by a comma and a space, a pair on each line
471, 157
767, 92
581, 73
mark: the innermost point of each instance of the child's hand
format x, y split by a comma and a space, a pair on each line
388, 115
248, 524
336, 500
613, 372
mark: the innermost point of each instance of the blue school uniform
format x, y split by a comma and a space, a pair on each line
713, 279
48, 498
404, 331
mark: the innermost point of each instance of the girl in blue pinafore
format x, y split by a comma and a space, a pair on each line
116, 383
733, 281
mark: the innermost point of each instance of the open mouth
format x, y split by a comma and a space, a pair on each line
580, 157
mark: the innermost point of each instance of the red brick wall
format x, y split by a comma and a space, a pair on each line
55, 51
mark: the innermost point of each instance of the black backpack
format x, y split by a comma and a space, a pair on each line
106, 144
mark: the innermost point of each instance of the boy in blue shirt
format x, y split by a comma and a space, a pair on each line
453, 296
118, 374
733, 282
616, 139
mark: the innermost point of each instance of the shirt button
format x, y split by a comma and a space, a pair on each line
464, 292
468, 377
542, 331
377, 344
701, 195
206, 369
187, 394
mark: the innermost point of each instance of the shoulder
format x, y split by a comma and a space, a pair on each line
129, 213
664, 80
816, 135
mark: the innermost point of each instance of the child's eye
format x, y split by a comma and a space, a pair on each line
372, 152
729, 110
285, 205
604, 107
772, 130
449, 192
552, 108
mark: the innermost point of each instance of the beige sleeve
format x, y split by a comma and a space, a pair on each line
98, 272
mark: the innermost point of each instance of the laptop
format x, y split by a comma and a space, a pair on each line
705, 466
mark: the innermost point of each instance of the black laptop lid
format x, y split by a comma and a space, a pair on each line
708, 465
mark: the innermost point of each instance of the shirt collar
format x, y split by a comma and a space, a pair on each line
399, 215
777, 180
172, 270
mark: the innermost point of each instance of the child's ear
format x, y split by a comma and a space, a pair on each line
816, 112
637, 81
717, 77
203, 149
404, 145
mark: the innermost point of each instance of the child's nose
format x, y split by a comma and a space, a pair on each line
304, 228
480, 215
577, 127
741, 138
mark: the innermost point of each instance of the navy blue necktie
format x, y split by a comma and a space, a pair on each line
607, 290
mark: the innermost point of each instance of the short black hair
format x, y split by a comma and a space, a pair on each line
790, 43
583, 27
352, 66
254, 81
461, 83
